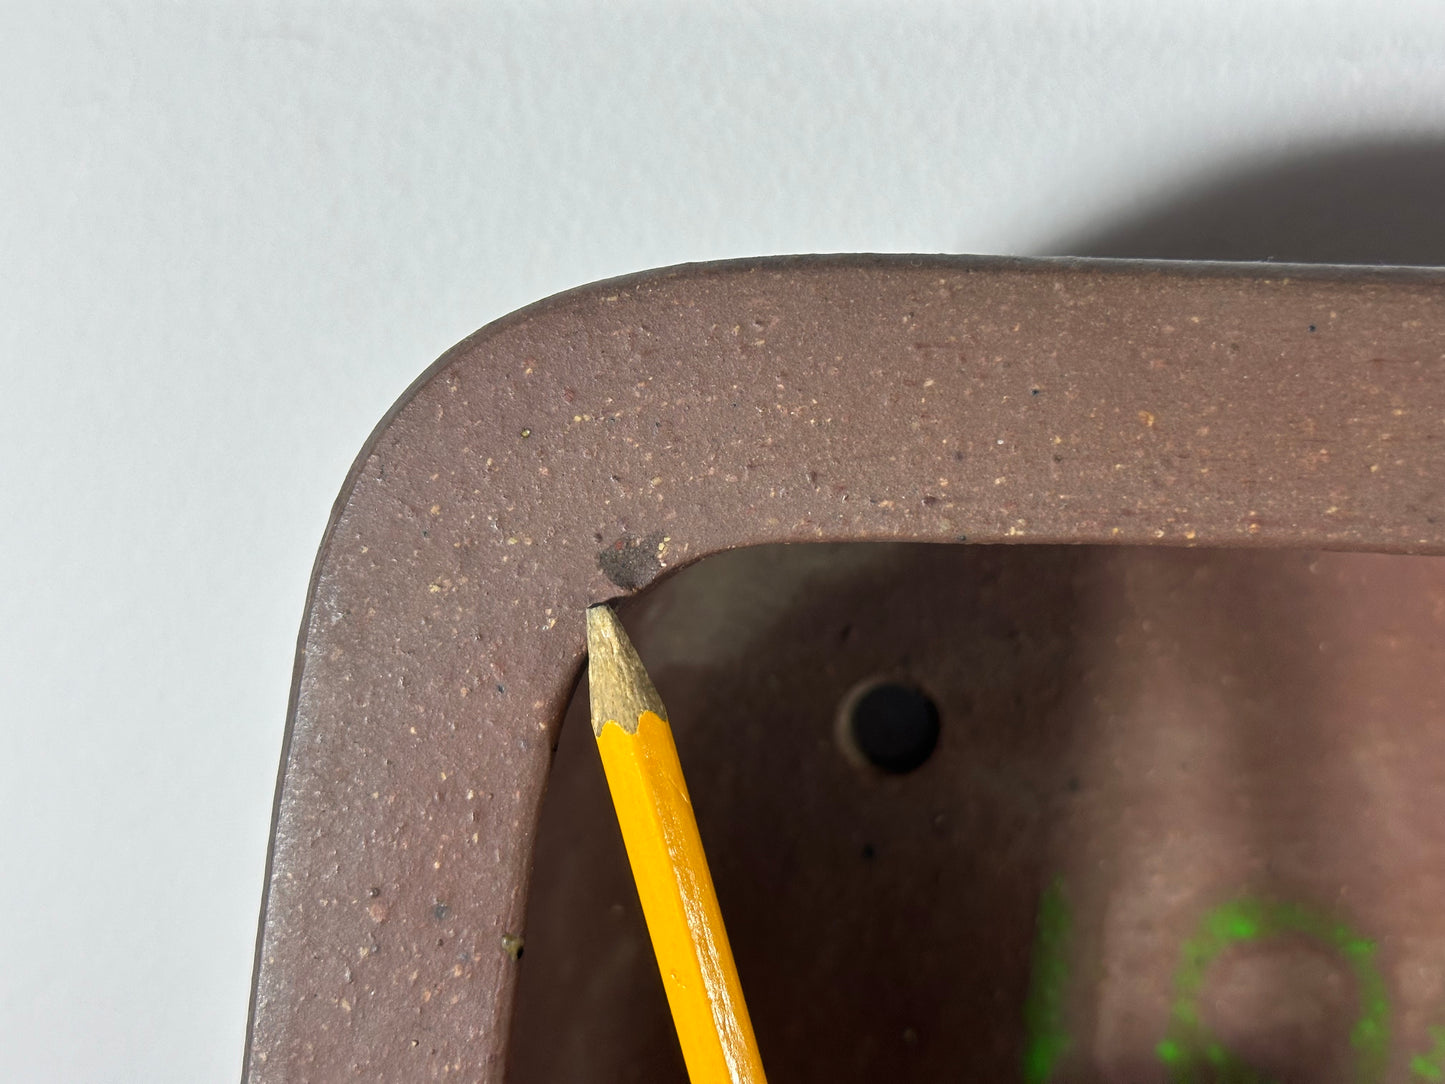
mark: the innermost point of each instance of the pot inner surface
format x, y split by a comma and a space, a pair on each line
1184, 818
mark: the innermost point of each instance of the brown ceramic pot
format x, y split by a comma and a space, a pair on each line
1155, 541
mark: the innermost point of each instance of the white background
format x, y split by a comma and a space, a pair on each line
232, 233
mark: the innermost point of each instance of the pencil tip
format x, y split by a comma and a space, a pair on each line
619, 687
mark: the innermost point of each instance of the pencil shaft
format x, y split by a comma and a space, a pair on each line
670, 869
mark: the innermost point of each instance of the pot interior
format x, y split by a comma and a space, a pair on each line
1182, 817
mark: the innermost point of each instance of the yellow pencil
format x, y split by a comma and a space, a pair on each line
668, 864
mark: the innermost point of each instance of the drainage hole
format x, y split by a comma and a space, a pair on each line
892, 726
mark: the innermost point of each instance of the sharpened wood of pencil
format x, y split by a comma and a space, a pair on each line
668, 864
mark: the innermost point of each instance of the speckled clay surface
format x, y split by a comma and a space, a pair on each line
577, 449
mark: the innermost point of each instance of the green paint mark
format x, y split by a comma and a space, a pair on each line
1045, 1040
1431, 1065
1190, 1047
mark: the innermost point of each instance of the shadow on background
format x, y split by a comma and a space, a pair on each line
1381, 203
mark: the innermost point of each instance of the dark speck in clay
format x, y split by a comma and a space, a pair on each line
632, 562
